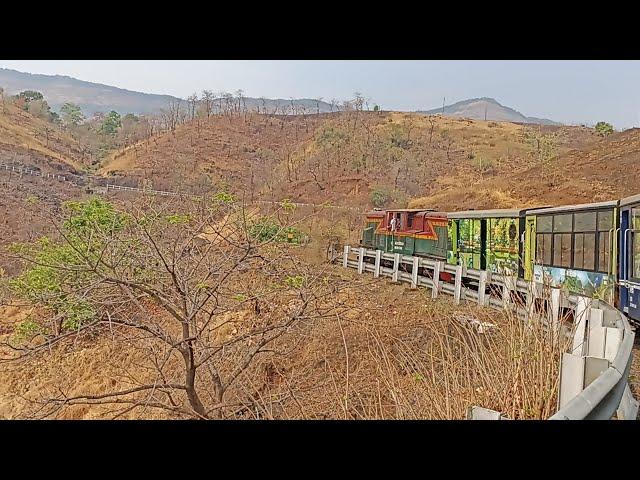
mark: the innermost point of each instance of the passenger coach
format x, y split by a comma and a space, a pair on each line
629, 238
591, 249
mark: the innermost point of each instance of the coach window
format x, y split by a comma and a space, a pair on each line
465, 233
584, 240
562, 250
561, 240
605, 224
562, 223
584, 222
584, 249
544, 227
543, 248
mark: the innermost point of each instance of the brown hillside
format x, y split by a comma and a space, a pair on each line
345, 158
32, 141
603, 169
26, 200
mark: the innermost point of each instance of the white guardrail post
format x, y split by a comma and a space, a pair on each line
361, 253
437, 268
482, 287
397, 258
376, 271
345, 258
414, 272
458, 284
581, 312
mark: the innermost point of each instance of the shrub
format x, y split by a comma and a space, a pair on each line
48, 280
380, 197
267, 229
484, 165
604, 128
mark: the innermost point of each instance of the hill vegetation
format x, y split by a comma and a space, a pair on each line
178, 310
94, 98
355, 157
213, 308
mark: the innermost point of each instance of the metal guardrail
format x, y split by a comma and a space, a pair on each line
598, 369
593, 376
147, 191
28, 171
144, 190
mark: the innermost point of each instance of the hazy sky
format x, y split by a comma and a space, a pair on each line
565, 91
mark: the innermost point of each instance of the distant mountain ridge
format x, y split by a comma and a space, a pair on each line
485, 108
96, 97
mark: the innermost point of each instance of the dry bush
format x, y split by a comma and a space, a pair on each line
431, 362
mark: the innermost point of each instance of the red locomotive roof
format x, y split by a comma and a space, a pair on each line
436, 215
375, 213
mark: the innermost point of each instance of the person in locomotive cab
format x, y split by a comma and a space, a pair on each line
394, 224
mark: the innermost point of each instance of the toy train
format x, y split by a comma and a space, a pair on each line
591, 249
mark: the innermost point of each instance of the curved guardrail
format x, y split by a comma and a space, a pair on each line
604, 361
593, 375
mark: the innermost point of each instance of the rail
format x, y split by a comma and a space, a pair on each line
145, 191
593, 375
19, 170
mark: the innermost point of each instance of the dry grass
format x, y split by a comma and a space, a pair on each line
19, 129
434, 365
391, 353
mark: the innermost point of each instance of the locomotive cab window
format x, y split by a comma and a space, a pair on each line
410, 220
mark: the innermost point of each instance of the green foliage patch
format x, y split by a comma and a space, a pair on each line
267, 229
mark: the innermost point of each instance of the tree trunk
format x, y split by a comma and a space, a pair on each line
190, 382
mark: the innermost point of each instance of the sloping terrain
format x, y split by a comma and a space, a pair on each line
95, 97
221, 150
599, 170
347, 158
28, 140
486, 109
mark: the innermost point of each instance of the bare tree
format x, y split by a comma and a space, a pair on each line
358, 101
228, 103
208, 98
432, 124
241, 105
192, 101
263, 100
171, 116
2, 98
172, 280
